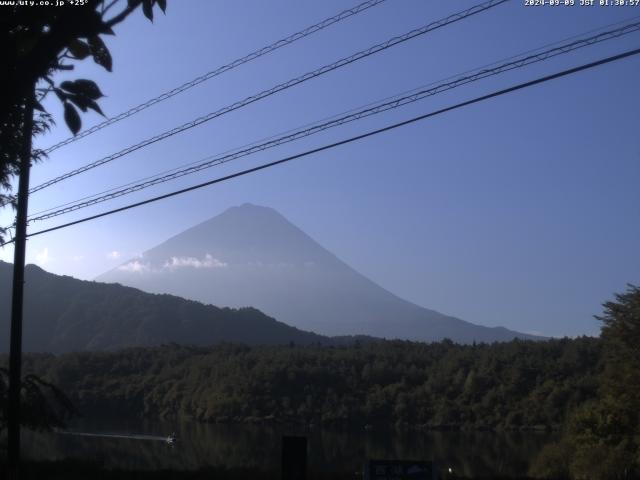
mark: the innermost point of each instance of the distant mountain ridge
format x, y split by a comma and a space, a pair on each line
252, 256
64, 314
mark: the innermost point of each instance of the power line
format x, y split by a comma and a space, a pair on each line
497, 62
407, 92
220, 70
319, 127
348, 140
275, 141
280, 87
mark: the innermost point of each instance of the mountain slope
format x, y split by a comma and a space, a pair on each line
64, 314
251, 255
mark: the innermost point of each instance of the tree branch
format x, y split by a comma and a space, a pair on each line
124, 14
106, 9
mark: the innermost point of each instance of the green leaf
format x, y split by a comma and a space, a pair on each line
95, 107
38, 106
68, 86
163, 5
79, 101
86, 88
100, 53
89, 88
84, 103
60, 94
72, 118
79, 49
147, 9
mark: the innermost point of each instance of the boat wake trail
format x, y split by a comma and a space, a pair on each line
115, 435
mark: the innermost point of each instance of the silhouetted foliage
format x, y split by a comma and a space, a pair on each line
44, 406
39, 41
602, 437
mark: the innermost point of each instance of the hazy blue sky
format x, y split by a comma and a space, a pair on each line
522, 211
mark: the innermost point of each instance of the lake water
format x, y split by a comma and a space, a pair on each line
140, 445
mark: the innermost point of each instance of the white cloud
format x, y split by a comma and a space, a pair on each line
77, 258
42, 257
192, 262
113, 255
138, 266
135, 267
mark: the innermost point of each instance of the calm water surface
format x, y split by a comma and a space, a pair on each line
140, 445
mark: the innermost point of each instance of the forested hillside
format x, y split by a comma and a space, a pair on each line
65, 314
442, 385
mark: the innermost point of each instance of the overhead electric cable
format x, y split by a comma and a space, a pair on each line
220, 70
319, 127
371, 133
280, 87
497, 62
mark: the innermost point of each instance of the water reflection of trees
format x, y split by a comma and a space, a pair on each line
258, 447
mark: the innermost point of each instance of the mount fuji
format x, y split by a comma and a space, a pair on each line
253, 256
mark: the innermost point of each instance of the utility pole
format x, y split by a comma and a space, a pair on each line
17, 295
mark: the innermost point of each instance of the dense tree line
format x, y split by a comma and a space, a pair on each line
588, 387
520, 384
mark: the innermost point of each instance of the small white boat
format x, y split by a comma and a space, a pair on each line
171, 439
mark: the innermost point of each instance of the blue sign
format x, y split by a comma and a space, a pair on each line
398, 470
